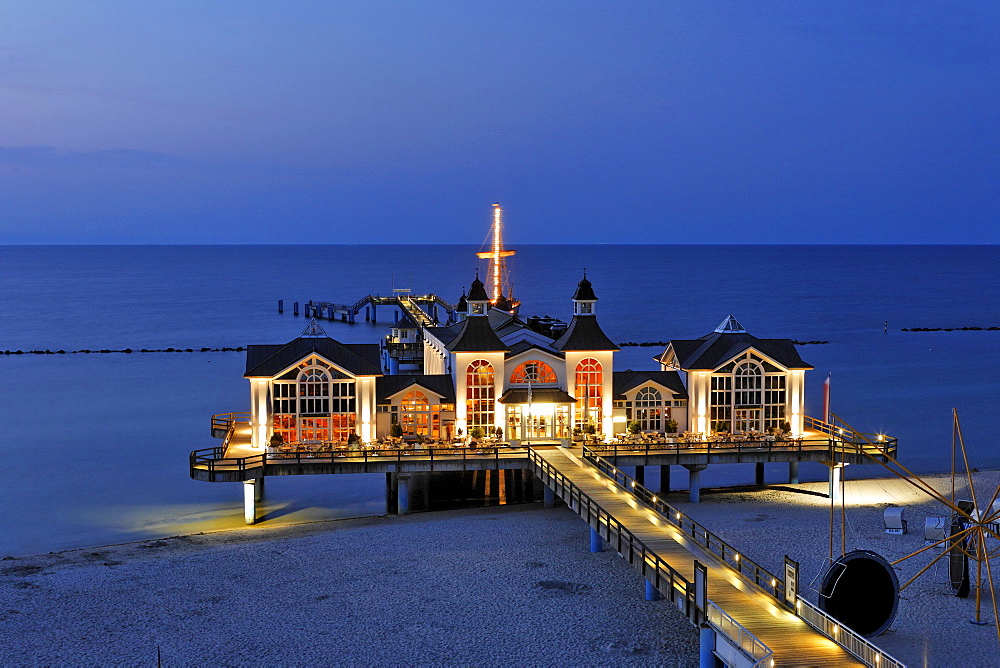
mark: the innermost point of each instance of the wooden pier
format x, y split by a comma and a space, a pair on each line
426, 310
744, 612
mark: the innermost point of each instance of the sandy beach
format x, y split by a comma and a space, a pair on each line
505, 585
499, 586
932, 625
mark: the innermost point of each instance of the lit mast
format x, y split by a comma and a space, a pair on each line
497, 267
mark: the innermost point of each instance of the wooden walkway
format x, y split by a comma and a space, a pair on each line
793, 642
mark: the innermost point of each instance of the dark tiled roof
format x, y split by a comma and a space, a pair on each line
584, 333
522, 346
623, 381
445, 334
543, 395
405, 322
476, 335
477, 293
584, 291
713, 350
359, 359
440, 384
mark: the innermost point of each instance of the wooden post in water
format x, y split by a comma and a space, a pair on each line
295, 308
281, 306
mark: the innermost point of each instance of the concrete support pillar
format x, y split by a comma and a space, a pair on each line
664, 478
403, 493
391, 489
640, 475
706, 647
836, 472
596, 542
258, 489
549, 500
652, 593
793, 473
250, 501
758, 473
694, 482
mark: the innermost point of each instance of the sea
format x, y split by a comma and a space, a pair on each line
96, 444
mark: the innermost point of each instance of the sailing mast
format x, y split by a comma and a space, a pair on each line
497, 273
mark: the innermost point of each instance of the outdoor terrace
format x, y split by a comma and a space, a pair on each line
236, 460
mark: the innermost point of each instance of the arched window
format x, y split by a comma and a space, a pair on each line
649, 409
589, 392
747, 384
535, 372
480, 394
312, 407
314, 392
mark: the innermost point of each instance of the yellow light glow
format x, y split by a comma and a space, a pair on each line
736, 557
654, 499
773, 582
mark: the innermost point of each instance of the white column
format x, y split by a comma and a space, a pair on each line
249, 501
365, 390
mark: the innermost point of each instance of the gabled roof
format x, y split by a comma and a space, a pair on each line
405, 322
729, 340
623, 381
358, 359
440, 384
524, 346
475, 335
584, 333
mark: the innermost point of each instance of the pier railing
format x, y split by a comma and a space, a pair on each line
853, 642
727, 553
843, 433
215, 462
678, 589
738, 635
667, 580
835, 448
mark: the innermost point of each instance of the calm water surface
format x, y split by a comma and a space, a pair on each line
97, 444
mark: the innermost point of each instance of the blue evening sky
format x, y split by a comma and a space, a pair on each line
591, 122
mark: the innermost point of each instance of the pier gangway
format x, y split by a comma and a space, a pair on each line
743, 600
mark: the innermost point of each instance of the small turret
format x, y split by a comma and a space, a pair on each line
584, 298
478, 300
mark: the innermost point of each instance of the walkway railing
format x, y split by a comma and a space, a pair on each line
728, 554
747, 642
853, 642
679, 590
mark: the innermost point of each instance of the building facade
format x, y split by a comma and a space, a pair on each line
493, 373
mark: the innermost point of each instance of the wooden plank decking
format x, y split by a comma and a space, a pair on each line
793, 642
